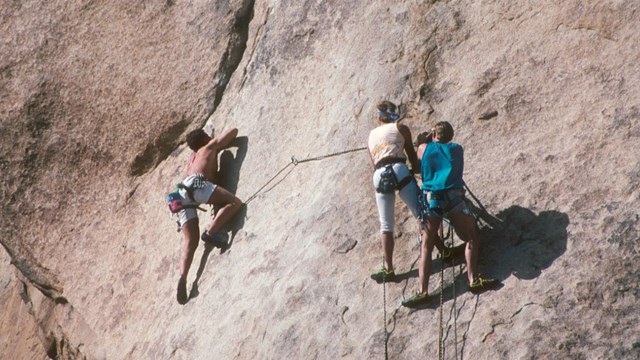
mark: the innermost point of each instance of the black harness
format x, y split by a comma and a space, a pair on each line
439, 202
388, 180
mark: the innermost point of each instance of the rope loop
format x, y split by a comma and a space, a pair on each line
295, 162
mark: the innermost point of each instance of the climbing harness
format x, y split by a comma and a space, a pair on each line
176, 202
389, 182
439, 202
296, 162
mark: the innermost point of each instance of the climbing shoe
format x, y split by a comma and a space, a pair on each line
214, 240
480, 284
182, 291
417, 299
383, 275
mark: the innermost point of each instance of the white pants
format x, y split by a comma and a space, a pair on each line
386, 202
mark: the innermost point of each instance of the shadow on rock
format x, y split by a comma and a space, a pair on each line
203, 262
436, 265
229, 173
523, 244
515, 241
228, 178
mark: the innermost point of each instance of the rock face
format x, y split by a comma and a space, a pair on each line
96, 101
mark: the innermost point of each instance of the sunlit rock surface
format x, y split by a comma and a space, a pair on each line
96, 101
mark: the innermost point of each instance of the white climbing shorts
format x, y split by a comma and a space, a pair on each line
201, 195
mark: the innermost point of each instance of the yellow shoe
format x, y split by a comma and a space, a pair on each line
417, 299
479, 284
383, 275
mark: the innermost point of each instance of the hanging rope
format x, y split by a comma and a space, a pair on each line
295, 162
455, 308
440, 314
481, 207
441, 341
267, 183
384, 305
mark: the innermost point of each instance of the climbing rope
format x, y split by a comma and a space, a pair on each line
455, 308
440, 314
475, 198
267, 183
479, 206
441, 341
384, 305
295, 162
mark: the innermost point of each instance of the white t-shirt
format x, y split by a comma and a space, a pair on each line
386, 141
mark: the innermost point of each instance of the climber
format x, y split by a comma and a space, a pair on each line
389, 147
198, 186
443, 197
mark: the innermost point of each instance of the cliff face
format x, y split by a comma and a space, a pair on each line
96, 100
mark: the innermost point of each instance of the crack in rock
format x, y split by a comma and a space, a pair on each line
39, 276
257, 36
156, 152
495, 324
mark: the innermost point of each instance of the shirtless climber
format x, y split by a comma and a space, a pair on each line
199, 188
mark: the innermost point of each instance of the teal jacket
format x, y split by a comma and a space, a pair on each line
442, 166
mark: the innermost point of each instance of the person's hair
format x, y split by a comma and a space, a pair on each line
197, 139
444, 131
387, 111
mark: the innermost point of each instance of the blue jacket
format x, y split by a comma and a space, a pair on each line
442, 166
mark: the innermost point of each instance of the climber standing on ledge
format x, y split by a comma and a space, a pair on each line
389, 148
388, 143
443, 198
199, 188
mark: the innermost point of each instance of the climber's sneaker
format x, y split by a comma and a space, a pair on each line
417, 299
182, 291
383, 275
214, 240
480, 284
